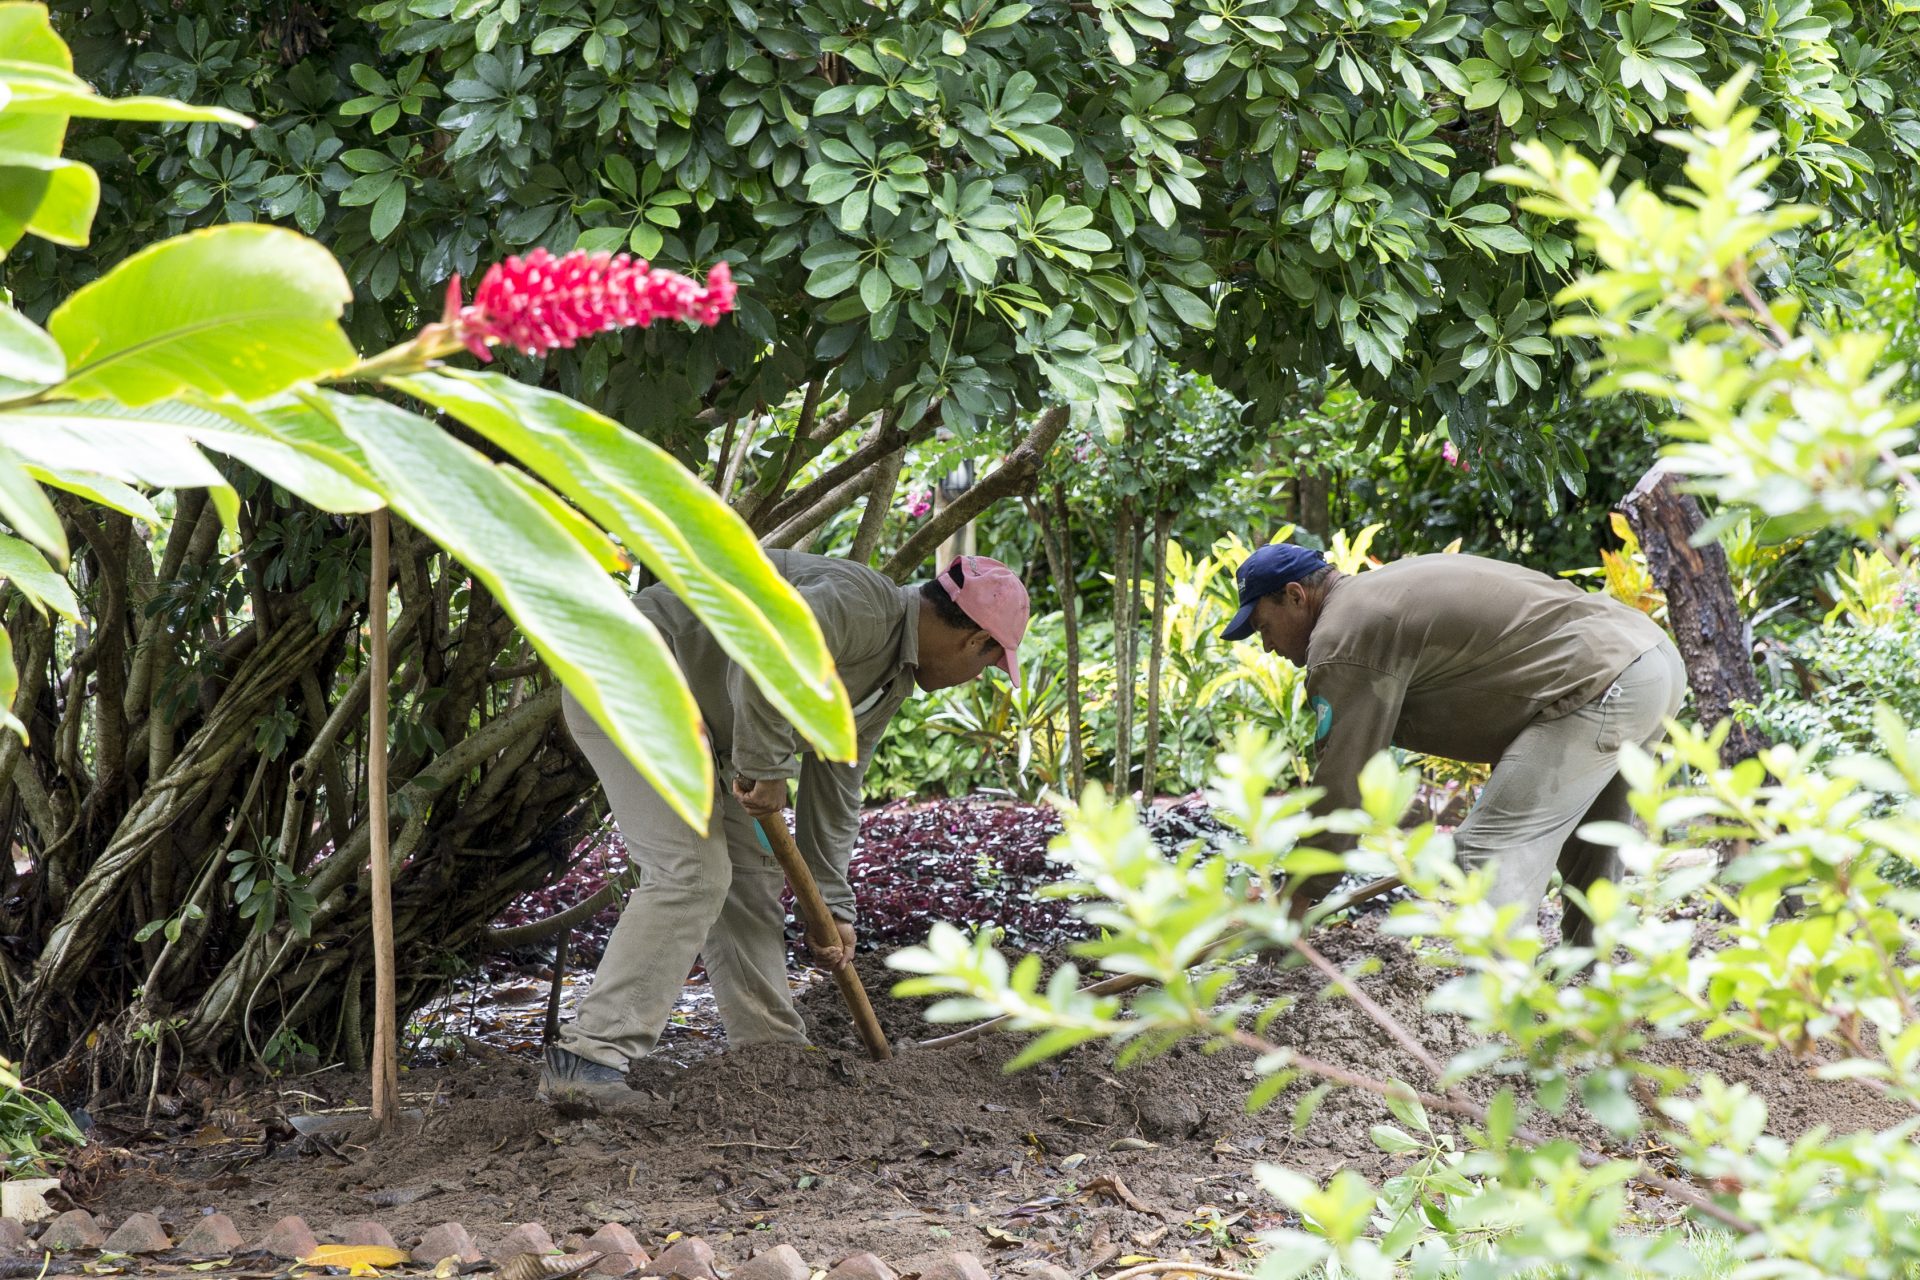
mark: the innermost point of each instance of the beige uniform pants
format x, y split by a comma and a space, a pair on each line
1559, 775
715, 896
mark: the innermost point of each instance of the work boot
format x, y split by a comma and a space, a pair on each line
569, 1079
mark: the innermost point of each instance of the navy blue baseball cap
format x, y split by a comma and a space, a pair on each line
1265, 572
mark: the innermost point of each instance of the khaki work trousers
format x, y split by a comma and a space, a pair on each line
715, 896
1559, 775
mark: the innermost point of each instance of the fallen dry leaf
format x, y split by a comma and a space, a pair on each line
356, 1259
1108, 1184
537, 1266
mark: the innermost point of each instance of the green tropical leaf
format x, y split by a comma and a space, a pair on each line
30, 360
25, 507
27, 569
53, 198
605, 551
325, 479
9, 686
676, 526
239, 310
80, 100
148, 446
576, 617
125, 499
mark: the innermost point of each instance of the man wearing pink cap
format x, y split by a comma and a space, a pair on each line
717, 897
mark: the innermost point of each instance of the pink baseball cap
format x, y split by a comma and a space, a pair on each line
995, 598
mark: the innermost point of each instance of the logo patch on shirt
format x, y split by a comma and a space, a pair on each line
1322, 718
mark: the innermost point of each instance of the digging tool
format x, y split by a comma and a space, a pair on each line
1129, 981
820, 924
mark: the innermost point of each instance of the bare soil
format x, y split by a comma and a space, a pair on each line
1073, 1161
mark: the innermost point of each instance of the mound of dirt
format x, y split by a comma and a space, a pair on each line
1072, 1161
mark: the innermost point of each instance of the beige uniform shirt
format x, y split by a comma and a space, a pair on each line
872, 629
1453, 656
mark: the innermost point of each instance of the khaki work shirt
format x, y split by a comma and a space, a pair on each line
872, 629
1454, 655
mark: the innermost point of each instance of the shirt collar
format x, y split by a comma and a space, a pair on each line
910, 634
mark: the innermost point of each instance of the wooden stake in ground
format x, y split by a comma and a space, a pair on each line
386, 1050
820, 924
1126, 610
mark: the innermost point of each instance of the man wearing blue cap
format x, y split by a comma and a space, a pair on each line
1477, 660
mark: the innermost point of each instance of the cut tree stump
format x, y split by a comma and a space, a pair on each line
1701, 609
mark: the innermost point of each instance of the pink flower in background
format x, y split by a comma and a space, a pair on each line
1453, 458
539, 303
918, 504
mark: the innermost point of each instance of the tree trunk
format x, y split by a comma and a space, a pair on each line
260, 734
873, 520
1701, 608
1125, 577
1056, 537
1149, 769
1313, 503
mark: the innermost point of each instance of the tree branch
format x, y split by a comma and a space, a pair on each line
521, 935
1014, 475
873, 520
768, 492
840, 496
870, 450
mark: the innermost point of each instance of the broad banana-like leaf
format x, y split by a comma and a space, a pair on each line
157, 445
146, 446
22, 565
34, 56
26, 508
152, 445
605, 551
30, 360
239, 310
125, 499
51, 196
691, 540
9, 686
320, 479
576, 617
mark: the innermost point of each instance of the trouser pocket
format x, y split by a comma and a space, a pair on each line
1612, 707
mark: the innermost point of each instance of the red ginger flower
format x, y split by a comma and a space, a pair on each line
540, 302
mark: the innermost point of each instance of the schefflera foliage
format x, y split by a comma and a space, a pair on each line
967, 203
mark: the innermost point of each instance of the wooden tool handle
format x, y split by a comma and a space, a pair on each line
820, 925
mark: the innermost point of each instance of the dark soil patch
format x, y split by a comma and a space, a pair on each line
937, 1150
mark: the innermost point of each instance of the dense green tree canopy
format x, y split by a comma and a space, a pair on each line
967, 204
